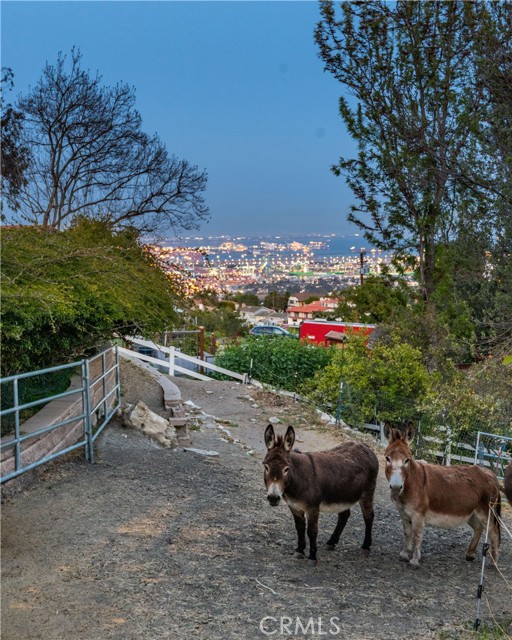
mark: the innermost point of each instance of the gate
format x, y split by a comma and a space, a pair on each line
493, 451
75, 420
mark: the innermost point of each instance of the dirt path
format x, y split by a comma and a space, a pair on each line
151, 544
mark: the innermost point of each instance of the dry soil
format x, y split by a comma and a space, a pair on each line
151, 543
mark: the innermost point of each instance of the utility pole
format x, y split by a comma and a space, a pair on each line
362, 255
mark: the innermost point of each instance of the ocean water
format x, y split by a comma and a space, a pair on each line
331, 245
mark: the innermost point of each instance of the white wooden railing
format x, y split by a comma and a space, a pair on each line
174, 354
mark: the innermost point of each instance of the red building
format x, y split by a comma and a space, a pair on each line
327, 332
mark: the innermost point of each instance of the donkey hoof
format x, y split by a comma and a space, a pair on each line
404, 557
312, 562
300, 555
330, 546
365, 552
470, 558
414, 564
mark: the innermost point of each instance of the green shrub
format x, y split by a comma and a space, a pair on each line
29, 390
66, 292
386, 379
281, 362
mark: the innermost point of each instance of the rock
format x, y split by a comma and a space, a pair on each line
151, 424
201, 452
274, 420
325, 417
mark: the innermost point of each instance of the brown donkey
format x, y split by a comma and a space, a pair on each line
445, 497
332, 481
508, 483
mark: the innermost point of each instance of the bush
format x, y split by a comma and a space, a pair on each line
281, 362
386, 380
30, 390
479, 399
64, 293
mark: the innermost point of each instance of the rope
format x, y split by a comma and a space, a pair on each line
501, 521
485, 548
502, 630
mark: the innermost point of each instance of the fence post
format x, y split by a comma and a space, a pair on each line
118, 378
104, 374
17, 452
477, 448
172, 356
201, 347
448, 449
89, 450
339, 405
383, 439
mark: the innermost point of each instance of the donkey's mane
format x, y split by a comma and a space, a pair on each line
279, 441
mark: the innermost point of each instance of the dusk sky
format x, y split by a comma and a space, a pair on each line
234, 87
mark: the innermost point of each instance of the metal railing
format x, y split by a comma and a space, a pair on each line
96, 399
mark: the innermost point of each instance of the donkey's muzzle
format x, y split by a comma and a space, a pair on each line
273, 500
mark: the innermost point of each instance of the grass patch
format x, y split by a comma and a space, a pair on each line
499, 629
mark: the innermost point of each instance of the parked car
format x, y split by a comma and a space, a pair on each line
270, 330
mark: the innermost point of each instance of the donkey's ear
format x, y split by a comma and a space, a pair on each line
409, 431
388, 431
289, 438
270, 437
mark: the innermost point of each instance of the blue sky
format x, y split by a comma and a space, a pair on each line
234, 87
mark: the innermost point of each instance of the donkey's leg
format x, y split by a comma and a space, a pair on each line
312, 518
300, 526
494, 536
418, 524
343, 516
366, 504
406, 552
476, 523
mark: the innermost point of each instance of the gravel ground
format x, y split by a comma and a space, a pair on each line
151, 543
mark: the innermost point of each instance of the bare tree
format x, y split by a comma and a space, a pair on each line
14, 154
89, 157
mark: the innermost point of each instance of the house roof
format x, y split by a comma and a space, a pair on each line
337, 336
254, 309
307, 308
303, 295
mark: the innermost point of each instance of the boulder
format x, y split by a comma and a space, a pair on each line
152, 425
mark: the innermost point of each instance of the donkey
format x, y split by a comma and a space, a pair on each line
332, 481
508, 482
446, 497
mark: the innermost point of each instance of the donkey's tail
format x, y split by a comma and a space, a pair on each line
496, 514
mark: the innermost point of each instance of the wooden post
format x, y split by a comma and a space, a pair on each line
172, 354
201, 347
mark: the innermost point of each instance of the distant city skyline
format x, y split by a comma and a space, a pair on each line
236, 88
